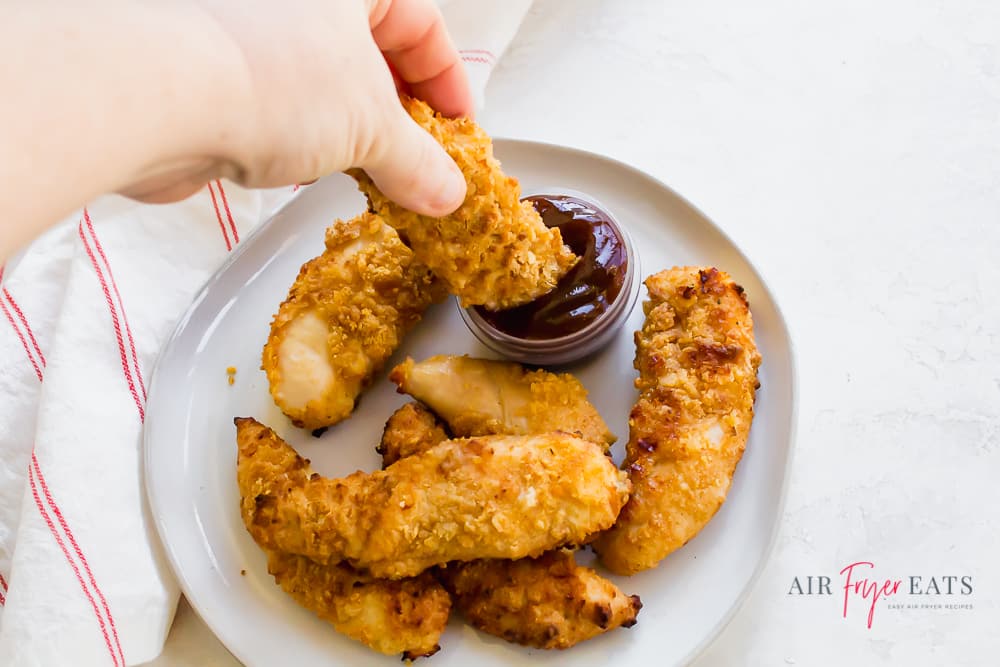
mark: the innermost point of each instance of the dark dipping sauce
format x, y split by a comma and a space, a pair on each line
587, 290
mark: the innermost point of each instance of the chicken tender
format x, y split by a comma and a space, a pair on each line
697, 364
489, 497
548, 602
393, 617
494, 250
484, 397
405, 616
346, 313
410, 430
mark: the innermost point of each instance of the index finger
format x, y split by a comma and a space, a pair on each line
413, 36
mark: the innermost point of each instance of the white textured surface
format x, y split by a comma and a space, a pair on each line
852, 149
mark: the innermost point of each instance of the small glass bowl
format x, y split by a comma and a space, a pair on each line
579, 344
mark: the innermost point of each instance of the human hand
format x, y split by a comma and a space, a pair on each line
315, 95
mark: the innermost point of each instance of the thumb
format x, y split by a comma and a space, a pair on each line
414, 170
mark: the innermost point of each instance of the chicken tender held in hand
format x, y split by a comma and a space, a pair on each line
489, 497
485, 397
393, 617
494, 250
697, 364
346, 313
546, 602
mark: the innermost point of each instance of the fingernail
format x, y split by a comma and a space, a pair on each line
452, 192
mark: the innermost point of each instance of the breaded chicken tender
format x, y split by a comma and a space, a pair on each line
346, 313
409, 430
545, 602
489, 497
550, 602
697, 364
404, 616
393, 617
486, 397
493, 251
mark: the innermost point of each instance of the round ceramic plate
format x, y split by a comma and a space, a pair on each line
191, 453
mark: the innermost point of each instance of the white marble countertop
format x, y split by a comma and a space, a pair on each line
853, 150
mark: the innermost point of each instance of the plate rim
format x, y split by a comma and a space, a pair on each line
151, 497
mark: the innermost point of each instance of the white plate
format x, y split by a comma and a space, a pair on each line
190, 439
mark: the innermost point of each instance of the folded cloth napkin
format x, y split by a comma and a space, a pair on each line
83, 313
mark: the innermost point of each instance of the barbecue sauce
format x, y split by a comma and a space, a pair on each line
587, 290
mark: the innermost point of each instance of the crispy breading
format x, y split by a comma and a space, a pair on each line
697, 364
412, 429
409, 430
494, 250
393, 617
548, 602
489, 497
404, 616
345, 314
486, 397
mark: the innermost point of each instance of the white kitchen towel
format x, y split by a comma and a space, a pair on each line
482, 30
83, 313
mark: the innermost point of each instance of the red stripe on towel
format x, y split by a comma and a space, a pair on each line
477, 59
79, 552
69, 559
218, 216
24, 341
121, 304
126, 369
479, 52
20, 316
225, 204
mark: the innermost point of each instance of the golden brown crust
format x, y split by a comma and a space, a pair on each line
494, 250
393, 617
406, 616
549, 602
367, 290
490, 497
410, 430
486, 397
697, 364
